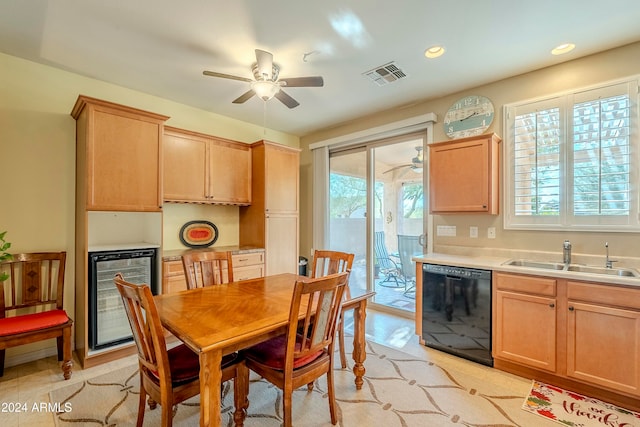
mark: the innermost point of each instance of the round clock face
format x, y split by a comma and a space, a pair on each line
469, 116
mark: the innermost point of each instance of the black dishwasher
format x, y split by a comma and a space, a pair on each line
456, 311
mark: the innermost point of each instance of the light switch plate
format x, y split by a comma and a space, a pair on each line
491, 232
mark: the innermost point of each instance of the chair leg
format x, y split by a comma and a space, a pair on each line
166, 419
141, 403
64, 352
332, 397
343, 356
1, 362
287, 399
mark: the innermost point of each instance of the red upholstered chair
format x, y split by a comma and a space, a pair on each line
305, 352
171, 376
331, 262
207, 268
34, 308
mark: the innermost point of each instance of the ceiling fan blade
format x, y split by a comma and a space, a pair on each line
287, 100
397, 167
244, 97
226, 76
265, 64
313, 81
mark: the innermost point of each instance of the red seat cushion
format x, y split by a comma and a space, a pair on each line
185, 364
271, 353
32, 322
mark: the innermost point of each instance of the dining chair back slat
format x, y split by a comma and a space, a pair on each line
327, 262
207, 268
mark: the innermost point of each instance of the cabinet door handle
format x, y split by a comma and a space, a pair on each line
552, 305
571, 308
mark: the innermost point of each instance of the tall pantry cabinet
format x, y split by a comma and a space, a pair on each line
272, 220
118, 181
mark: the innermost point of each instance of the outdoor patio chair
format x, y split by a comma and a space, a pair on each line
408, 247
388, 267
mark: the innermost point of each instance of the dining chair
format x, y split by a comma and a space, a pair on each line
331, 262
302, 355
171, 376
32, 305
207, 268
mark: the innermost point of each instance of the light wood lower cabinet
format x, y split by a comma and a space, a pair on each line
603, 336
245, 266
526, 329
581, 335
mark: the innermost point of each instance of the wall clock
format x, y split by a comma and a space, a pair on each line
468, 116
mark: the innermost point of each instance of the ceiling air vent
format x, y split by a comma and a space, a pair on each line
385, 74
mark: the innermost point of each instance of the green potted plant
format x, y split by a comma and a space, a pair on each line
4, 255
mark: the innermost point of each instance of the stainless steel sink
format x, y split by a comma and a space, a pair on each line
624, 272
547, 265
535, 264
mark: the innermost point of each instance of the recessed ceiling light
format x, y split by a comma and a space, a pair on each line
563, 48
434, 52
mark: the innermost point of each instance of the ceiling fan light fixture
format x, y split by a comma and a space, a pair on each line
265, 89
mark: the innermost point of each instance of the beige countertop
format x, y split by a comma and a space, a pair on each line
176, 254
496, 263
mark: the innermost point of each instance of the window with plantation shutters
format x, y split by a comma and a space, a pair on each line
571, 160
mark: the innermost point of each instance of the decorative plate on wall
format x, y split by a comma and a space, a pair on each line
198, 234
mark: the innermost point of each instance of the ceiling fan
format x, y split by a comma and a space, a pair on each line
415, 165
266, 83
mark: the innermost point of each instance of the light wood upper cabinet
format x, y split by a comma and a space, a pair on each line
184, 166
118, 156
464, 175
205, 169
281, 179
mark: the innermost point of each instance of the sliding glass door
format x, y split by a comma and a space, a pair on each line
383, 180
348, 210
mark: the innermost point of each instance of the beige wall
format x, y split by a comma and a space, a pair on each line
37, 151
613, 64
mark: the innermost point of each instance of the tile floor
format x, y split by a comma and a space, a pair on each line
30, 383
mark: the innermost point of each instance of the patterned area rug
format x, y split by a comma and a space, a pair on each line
572, 409
399, 390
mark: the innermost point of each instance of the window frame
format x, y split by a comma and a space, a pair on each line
567, 220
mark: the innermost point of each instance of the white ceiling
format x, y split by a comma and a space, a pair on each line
161, 47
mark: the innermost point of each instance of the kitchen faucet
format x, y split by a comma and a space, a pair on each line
608, 262
566, 252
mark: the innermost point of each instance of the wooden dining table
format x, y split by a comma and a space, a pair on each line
218, 320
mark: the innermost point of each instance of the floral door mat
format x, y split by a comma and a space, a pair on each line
572, 409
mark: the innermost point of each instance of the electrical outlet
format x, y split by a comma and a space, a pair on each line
446, 230
491, 232
473, 232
